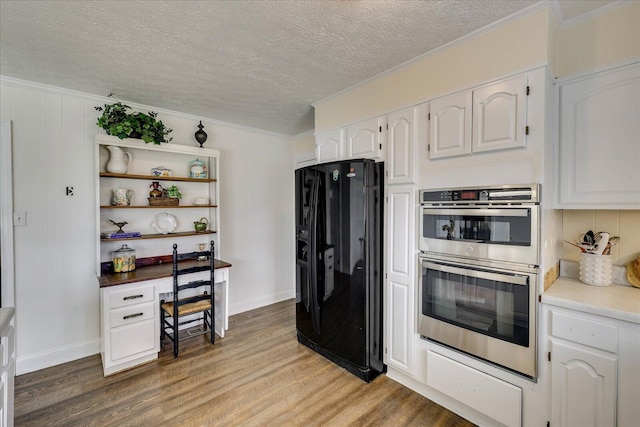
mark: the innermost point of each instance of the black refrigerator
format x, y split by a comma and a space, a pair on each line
339, 208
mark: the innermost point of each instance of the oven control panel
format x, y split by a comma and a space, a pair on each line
510, 193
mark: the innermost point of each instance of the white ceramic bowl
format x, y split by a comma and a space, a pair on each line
202, 201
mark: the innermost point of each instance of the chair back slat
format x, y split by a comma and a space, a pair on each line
193, 255
194, 284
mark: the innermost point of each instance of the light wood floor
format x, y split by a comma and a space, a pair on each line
258, 375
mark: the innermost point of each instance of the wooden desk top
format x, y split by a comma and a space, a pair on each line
150, 272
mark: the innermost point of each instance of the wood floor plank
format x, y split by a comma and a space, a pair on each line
258, 375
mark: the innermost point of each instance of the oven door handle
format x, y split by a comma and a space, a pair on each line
517, 212
479, 274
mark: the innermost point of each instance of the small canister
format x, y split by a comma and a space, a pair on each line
197, 169
121, 196
124, 259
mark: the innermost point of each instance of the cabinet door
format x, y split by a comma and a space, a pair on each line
583, 387
600, 141
366, 139
450, 126
401, 154
400, 300
499, 115
329, 145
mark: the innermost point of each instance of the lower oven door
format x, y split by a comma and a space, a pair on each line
487, 313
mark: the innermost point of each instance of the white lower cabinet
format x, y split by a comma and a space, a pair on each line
8, 371
583, 387
399, 337
130, 317
130, 325
595, 373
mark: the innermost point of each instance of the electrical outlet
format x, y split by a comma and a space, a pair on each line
20, 219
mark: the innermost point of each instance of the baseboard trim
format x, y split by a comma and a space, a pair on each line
247, 305
60, 355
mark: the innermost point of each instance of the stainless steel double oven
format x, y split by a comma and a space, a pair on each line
479, 258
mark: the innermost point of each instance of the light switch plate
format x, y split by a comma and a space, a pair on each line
20, 219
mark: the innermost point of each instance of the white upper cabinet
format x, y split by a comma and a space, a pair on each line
401, 139
367, 139
450, 126
329, 145
363, 140
599, 140
490, 118
499, 115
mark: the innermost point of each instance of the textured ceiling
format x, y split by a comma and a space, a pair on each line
254, 63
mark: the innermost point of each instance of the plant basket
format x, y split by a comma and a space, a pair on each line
163, 201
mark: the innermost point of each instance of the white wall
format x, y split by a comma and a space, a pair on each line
304, 149
57, 312
605, 40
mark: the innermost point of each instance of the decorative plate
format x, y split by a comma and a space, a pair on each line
164, 223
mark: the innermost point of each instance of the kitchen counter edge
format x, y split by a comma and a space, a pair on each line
615, 301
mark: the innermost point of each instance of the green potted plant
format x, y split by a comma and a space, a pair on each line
116, 120
173, 192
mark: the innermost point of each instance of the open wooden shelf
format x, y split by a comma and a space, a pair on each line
154, 178
161, 236
158, 207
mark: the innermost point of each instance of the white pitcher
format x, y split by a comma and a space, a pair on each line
118, 160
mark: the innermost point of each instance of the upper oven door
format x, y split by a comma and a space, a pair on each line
499, 233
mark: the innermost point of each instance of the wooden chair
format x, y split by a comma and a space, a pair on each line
192, 304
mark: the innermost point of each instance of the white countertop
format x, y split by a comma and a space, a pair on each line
616, 301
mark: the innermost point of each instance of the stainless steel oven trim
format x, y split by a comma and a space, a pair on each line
481, 263
519, 280
485, 211
511, 193
520, 359
531, 190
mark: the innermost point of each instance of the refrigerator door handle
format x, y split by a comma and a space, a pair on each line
311, 244
313, 256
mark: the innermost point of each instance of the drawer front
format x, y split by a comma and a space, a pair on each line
132, 340
585, 331
132, 314
129, 295
486, 394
